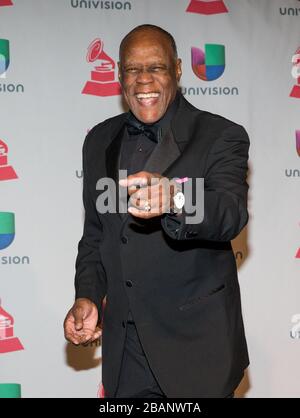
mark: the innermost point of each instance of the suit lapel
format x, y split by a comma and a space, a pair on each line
113, 159
163, 155
167, 152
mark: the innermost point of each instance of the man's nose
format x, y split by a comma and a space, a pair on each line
144, 77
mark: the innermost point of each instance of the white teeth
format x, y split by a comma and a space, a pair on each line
147, 95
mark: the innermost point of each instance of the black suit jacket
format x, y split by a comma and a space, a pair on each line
182, 287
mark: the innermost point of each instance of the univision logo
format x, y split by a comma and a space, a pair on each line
102, 5
7, 235
7, 229
4, 57
290, 11
4, 64
209, 65
294, 172
79, 174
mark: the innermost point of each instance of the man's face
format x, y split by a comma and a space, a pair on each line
149, 75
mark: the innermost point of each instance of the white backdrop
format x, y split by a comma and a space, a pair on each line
44, 118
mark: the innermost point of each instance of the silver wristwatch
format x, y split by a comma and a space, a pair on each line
178, 200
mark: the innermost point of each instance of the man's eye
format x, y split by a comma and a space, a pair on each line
131, 70
156, 68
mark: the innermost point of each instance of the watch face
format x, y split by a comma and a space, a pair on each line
179, 200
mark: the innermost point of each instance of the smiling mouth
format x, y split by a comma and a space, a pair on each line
147, 99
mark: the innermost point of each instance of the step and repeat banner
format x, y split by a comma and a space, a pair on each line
58, 79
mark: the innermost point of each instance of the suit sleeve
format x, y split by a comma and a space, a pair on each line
225, 192
90, 277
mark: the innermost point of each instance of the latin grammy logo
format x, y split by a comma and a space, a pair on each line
6, 171
298, 251
101, 392
6, 3
298, 142
296, 74
8, 342
207, 7
102, 76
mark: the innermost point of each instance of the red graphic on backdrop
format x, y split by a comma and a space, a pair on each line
103, 76
6, 171
101, 392
6, 3
298, 251
8, 342
207, 7
296, 74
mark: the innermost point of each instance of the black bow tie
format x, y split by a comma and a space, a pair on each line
134, 127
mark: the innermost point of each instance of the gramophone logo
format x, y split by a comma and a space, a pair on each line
6, 3
102, 81
296, 74
207, 7
4, 57
7, 229
6, 171
298, 142
101, 392
8, 342
209, 65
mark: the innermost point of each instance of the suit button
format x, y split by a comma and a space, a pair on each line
190, 234
124, 239
128, 283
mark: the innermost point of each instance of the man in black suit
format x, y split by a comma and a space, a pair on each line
172, 324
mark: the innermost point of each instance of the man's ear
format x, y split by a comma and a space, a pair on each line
119, 71
178, 69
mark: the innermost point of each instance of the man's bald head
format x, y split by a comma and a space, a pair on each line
148, 30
